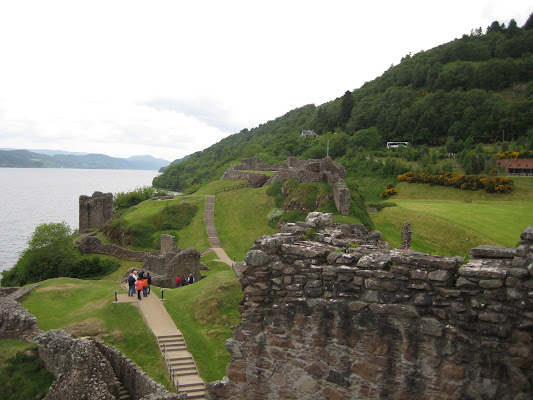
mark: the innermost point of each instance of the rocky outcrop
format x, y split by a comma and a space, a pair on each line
345, 317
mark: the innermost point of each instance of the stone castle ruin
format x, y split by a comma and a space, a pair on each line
323, 170
345, 317
163, 265
95, 210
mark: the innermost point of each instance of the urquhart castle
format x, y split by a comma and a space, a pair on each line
330, 311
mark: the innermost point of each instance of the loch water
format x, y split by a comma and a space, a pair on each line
33, 196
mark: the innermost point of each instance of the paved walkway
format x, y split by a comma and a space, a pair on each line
180, 362
214, 241
182, 368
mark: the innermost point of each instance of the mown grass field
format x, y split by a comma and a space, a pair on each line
450, 221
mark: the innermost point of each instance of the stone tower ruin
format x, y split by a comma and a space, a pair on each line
95, 211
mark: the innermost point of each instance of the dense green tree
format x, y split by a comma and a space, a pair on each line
346, 108
50, 254
366, 138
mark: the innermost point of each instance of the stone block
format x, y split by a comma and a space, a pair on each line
256, 258
486, 251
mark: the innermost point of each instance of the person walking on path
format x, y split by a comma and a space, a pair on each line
178, 281
149, 282
131, 284
190, 279
139, 285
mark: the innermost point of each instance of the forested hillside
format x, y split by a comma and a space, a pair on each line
477, 89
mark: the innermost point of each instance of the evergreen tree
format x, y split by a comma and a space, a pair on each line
346, 108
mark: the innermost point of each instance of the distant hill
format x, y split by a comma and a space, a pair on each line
60, 159
475, 89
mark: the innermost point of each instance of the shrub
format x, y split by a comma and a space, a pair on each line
389, 192
124, 200
51, 254
465, 182
273, 216
24, 377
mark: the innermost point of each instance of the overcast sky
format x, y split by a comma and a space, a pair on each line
168, 78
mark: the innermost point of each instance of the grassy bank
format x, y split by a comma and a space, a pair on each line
204, 313
241, 218
449, 221
86, 308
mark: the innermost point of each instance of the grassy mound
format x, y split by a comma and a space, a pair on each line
142, 225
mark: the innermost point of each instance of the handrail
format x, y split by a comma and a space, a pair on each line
234, 187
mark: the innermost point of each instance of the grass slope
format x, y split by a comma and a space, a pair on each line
241, 218
86, 308
204, 312
450, 221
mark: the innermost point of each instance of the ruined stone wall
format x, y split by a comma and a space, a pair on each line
163, 265
139, 384
16, 321
168, 244
255, 164
323, 170
165, 268
322, 320
95, 211
256, 180
93, 245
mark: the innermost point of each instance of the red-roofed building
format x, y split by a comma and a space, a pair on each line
522, 166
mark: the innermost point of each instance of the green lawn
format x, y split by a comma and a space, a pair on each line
241, 218
86, 308
450, 221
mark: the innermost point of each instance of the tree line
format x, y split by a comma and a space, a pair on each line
476, 89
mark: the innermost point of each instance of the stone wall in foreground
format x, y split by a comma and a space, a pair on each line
328, 320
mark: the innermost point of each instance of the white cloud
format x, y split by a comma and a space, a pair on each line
168, 78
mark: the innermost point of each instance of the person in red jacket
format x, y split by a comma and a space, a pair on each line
178, 281
139, 284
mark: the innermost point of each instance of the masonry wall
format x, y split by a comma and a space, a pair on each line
95, 211
319, 322
312, 171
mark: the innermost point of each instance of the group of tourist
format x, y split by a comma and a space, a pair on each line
141, 282
182, 281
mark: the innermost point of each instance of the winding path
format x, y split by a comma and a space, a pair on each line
180, 362
182, 367
214, 241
